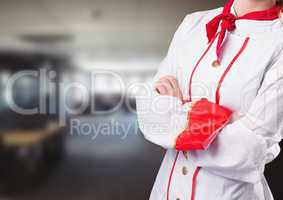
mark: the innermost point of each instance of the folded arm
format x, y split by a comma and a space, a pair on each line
243, 147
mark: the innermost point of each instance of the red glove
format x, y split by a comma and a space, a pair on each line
206, 119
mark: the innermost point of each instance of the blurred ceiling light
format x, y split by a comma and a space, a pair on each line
142, 64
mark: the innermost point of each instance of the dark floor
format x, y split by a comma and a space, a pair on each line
106, 166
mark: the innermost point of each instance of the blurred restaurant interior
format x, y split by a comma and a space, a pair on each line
52, 50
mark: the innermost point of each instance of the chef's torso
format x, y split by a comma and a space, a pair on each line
245, 76
251, 49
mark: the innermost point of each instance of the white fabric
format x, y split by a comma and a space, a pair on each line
232, 168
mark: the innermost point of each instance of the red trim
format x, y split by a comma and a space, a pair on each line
217, 95
196, 66
217, 99
194, 182
171, 175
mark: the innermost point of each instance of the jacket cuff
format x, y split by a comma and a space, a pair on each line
205, 121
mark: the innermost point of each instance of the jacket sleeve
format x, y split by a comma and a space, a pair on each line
162, 118
243, 147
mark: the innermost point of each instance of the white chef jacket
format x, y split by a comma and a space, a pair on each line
232, 168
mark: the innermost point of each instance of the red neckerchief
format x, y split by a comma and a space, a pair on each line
228, 20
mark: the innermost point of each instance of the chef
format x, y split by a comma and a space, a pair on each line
228, 58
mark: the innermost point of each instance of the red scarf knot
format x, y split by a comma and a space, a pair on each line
228, 22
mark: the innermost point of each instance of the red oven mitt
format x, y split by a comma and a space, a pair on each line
206, 119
